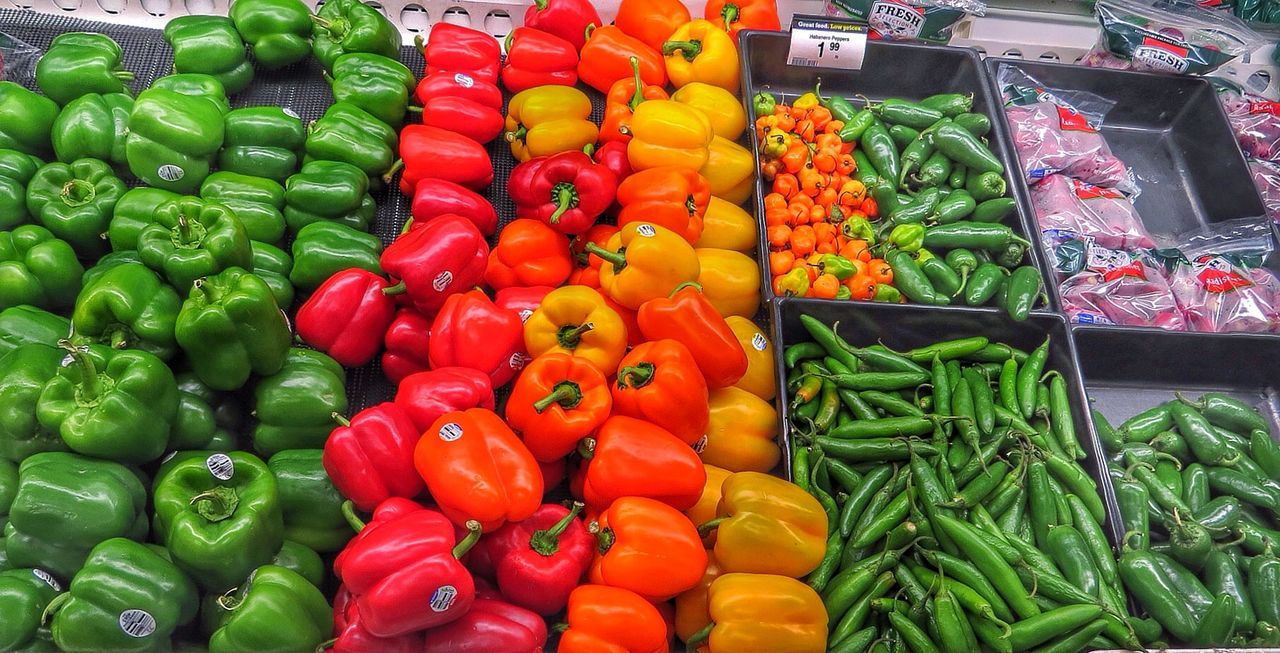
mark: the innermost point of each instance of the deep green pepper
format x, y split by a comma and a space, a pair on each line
763, 103
230, 328
196, 85
1264, 587
278, 31
985, 185
75, 201
881, 151
26, 120
128, 306
945, 280
972, 235
190, 238
16, 170
887, 294
328, 191
963, 262
37, 269
312, 507
921, 207
25, 371
352, 26
963, 147
173, 139
840, 107
219, 515
1012, 255
865, 172
295, 406
913, 156
975, 123
77, 63
380, 85
209, 45
352, 135
93, 126
933, 172
263, 141
67, 504
257, 201
275, 609
949, 104
957, 205
273, 265
323, 248
21, 325
1024, 291
302, 560
994, 210
907, 237
194, 424
228, 410
896, 111
133, 212
114, 259
24, 594
911, 280
903, 135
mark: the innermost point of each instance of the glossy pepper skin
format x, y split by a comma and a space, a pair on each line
769, 526
209, 45
575, 320
380, 85
38, 269
659, 382
760, 366
730, 170
668, 133
720, 106
309, 502
471, 331
557, 401
755, 613
405, 345
352, 26
370, 458
606, 58
435, 197
459, 49
24, 594
275, 609
435, 153
567, 19
611, 618
295, 406
328, 191
278, 31
426, 396
630, 457
27, 118
230, 328
16, 170
689, 318
75, 201
539, 561
647, 547
437, 259
503, 480
742, 431
345, 315
538, 58
323, 249
173, 139
128, 306
462, 117
272, 265
25, 370
93, 126
529, 253
134, 211
650, 21
701, 51
262, 141
547, 120
644, 261
668, 196
731, 281
77, 63
620, 104
190, 239
21, 325
490, 625
738, 15
353, 637
567, 191
352, 135
196, 85
462, 86
705, 509
256, 201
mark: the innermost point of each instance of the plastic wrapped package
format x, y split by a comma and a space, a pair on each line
1219, 281
1266, 176
907, 20
1254, 120
1109, 286
17, 59
1104, 215
1168, 36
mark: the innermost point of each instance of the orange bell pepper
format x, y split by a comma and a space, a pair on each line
688, 317
659, 382
651, 21
768, 526
731, 281
556, 402
705, 509
728, 226
741, 432
477, 469
762, 613
633, 458
643, 261
574, 320
737, 15
605, 619
606, 58
668, 133
692, 609
647, 547
528, 253
675, 198
759, 378
624, 96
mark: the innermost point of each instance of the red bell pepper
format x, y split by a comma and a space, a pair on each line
649, 548
659, 382
540, 560
633, 458
737, 15
606, 58
370, 458
553, 474
613, 155
478, 470
425, 396
471, 331
352, 636
403, 569
603, 618
405, 344
567, 191
457, 49
436, 197
522, 301
528, 253
428, 152
459, 85
568, 19
469, 118
344, 316
628, 315
444, 256
689, 317
538, 58
558, 400
490, 625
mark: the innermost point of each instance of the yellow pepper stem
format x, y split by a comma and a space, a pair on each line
706, 528
570, 335
688, 49
699, 638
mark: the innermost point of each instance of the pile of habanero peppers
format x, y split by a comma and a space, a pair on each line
1198, 485
960, 515
897, 201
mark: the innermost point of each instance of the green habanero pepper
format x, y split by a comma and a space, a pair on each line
763, 103
128, 306
24, 594
295, 406
37, 269
911, 280
77, 63
26, 119
311, 505
985, 185
352, 26
262, 141
323, 248
275, 609
380, 85
972, 235
907, 237
209, 45
231, 328
963, 147
191, 238
887, 294
328, 191
794, 283
25, 371
23, 325
278, 31
75, 201
857, 227
173, 139
881, 151
273, 265
837, 266
257, 201
1024, 291
16, 170
93, 126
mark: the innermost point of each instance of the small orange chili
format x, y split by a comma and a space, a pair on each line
806, 130
870, 208
828, 247
803, 240
824, 160
820, 116
825, 286
786, 123
859, 266
845, 165
825, 232
828, 142
795, 158
861, 287
833, 127
879, 271
827, 197
856, 250
770, 169
817, 213
779, 235
786, 185
774, 200
781, 262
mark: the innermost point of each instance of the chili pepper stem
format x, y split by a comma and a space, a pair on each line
349, 512
565, 195
639, 94
547, 542
566, 393
636, 376
706, 527
618, 259
688, 49
217, 503
473, 536
90, 386
54, 606
391, 172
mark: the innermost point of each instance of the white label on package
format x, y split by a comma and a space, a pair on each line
827, 43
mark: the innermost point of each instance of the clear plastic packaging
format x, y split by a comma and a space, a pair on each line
907, 20
1168, 36
1254, 120
1266, 176
17, 59
1100, 285
1219, 281
1104, 215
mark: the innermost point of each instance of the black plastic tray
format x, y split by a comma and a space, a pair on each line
890, 69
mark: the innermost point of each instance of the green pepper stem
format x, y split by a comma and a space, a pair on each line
565, 195
706, 528
604, 537
184, 228
349, 512
506, 43
90, 385
473, 536
699, 638
686, 284
547, 542
391, 172
217, 503
516, 135
636, 376
618, 259
688, 49
541, 4
421, 44
587, 448
730, 14
78, 192
566, 393
397, 289
124, 75
326, 645
586, 31
342, 421
54, 606
570, 336
638, 97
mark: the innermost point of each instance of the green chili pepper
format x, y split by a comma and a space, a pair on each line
971, 235
983, 409
882, 359
1233, 483
985, 186
1154, 591
1024, 291
980, 551
899, 112
903, 135
958, 175
1068, 549
920, 208
1222, 577
1264, 451
913, 156
860, 498
949, 104
892, 404
994, 210
800, 468
911, 281
856, 127
956, 206
933, 172
1228, 412
828, 409
984, 284
975, 123
1147, 424
963, 147
1028, 379
854, 618
1219, 514
873, 449
802, 351
881, 150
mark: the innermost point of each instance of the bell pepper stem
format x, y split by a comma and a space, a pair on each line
587, 448
78, 192
706, 528
517, 134
559, 628
688, 49
636, 376
54, 606
326, 645
569, 336
541, 4
90, 386
730, 15
391, 172
349, 512
506, 43
565, 195
421, 44
184, 228
699, 638
338, 417
687, 284
618, 259
586, 31
566, 393
217, 503
604, 537
473, 536
397, 289
547, 542
639, 94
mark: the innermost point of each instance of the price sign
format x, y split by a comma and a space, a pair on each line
827, 43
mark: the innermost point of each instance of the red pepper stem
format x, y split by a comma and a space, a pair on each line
473, 536
565, 195
636, 376
342, 421
54, 606
639, 96
688, 49
730, 15
570, 336
90, 386
706, 528
397, 289
566, 393
326, 645
618, 259
391, 172
541, 4
547, 542
687, 284
349, 512
699, 638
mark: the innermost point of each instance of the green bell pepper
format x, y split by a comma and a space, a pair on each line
196, 85
127, 597
380, 85
209, 45
37, 269
295, 406
263, 141
257, 201
352, 135
128, 306
173, 139
274, 611
75, 201
230, 328
111, 404
194, 424
77, 63
133, 212
190, 238
93, 126
106, 263
24, 594
323, 248
66, 505
312, 506
8, 488
219, 514
278, 31
26, 120
228, 410
16, 170
273, 266
352, 26
328, 191
223, 440
24, 372
23, 325
301, 560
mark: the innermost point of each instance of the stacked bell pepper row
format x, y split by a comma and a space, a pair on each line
1196, 483
960, 516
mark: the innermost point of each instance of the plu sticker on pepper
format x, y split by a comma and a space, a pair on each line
907, 20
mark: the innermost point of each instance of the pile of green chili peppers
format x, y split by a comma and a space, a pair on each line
1197, 485
960, 517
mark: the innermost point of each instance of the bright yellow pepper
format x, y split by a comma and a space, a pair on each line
730, 280
759, 379
644, 261
692, 608
765, 525
701, 51
759, 613
549, 119
730, 170
575, 320
741, 433
807, 101
705, 509
727, 226
721, 107
667, 133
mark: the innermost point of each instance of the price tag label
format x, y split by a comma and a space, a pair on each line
827, 43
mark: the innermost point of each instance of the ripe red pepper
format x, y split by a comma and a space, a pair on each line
539, 561
613, 155
568, 19
558, 400
459, 85
370, 458
737, 15
436, 197
457, 49
403, 569
490, 625
435, 153
352, 636
606, 58
425, 396
553, 473
476, 121
344, 316
659, 382
689, 317
444, 256
405, 343
538, 58
522, 301
567, 191
471, 331
633, 458
528, 253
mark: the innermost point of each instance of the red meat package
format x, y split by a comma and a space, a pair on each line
1103, 214
1266, 177
1254, 120
1109, 286
1219, 281
1051, 138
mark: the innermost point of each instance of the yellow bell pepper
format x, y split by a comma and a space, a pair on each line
721, 107
644, 261
730, 280
549, 119
701, 51
575, 320
741, 433
667, 133
727, 226
759, 379
705, 509
768, 526
730, 169
693, 612
759, 613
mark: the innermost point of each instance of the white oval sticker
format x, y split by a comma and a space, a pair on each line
137, 623
442, 599
220, 466
524, 315
759, 342
170, 172
518, 360
291, 113
47, 578
463, 80
450, 431
646, 230
442, 281
700, 444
